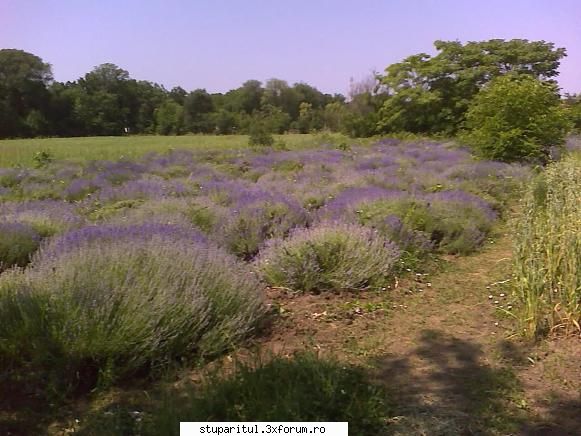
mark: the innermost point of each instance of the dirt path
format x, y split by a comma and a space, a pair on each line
441, 348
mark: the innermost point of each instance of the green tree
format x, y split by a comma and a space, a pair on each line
198, 106
365, 99
572, 105
304, 123
431, 94
246, 99
334, 116
178, 94
24, 97
101, 102
169, 118
516, 117
225, 121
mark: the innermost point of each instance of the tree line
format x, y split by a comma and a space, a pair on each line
107, 101
422, 94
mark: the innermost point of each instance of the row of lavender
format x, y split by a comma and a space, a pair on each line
139, 264
423, 196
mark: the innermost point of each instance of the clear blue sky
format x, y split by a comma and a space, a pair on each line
218, 44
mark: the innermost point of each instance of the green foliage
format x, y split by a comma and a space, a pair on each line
334, 115
102, 212
360, 126
573, 110
108, 102
244, 232
329, 257
197, 107
454, 228
547, 251
202, 216
304, 388
24, 78
42, 158
17, 244
431, 94
260, 135
516, 118
169, 118
225, 121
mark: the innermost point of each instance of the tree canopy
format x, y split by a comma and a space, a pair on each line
24, 98
422, 94
431, 94
516, 117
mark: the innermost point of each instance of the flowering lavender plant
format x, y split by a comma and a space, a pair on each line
331, 256
125, 304
17, 244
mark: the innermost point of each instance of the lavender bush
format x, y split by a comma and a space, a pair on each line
255, 217
47, 217
17, 244
454, 222
100, 304
328, 257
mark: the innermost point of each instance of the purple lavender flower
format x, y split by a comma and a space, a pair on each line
142, 189
330, 256
345, 204
46, 216
168, 233
464, 199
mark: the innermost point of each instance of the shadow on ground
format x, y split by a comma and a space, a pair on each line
445, 386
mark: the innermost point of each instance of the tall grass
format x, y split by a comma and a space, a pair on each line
547, 260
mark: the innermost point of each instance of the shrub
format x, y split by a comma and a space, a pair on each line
17, 244
304, 388
42, 158
455, 222
243, 232
260, 136
97, 306
46, 217
329, 257
547, 251
516, 117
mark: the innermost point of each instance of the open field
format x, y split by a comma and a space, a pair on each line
22, 151
200, 281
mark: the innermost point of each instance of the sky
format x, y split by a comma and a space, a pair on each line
219, 44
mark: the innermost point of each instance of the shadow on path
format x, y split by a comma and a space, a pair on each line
446, 386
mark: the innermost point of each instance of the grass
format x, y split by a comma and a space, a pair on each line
547, 253
23, 151
304, 388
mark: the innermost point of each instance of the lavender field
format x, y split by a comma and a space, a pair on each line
118, 270
422, 197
